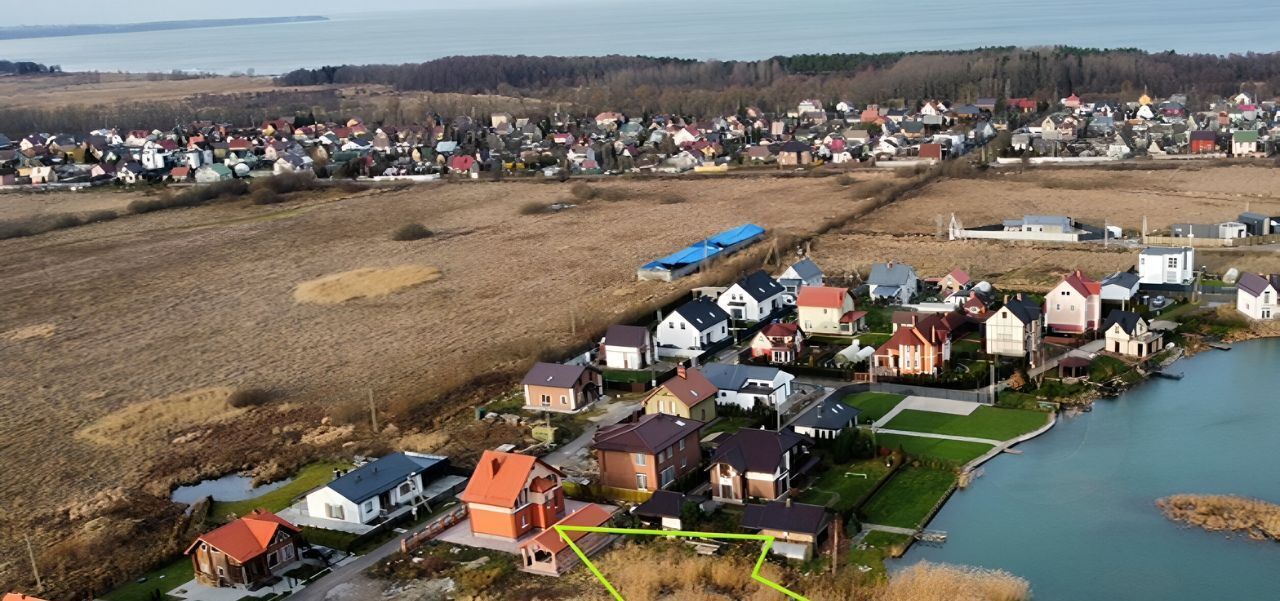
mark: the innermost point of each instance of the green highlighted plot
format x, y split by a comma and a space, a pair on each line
955, 451
991, 423
755, 573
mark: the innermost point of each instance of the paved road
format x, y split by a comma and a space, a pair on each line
350, 577
615, 412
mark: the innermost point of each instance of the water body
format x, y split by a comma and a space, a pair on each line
712, 29
226, 488
1075, 515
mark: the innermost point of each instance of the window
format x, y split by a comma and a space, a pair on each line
682, 325
667, 477
564, 400
405, 489
334, 512
639, 458
524, 520
681, 444
671, 325
642, 481
1173, 262
368, 506
546, 400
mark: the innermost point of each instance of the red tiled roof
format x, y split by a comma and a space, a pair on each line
775, 330
1082, 284
247, 537
591, 515
19, 597
821, 296
852, 316
691, 389
499, 477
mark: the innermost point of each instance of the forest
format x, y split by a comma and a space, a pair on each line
644, 84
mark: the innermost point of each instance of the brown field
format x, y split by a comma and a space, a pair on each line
21, 205
46, 91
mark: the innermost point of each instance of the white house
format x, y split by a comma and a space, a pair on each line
753, 298
804, 273
749, 385
1015, 329
1130, 335
690, 329
1120, 287
1258, 297
627, 347
828, 310
1158, 265
895, 282
377, 488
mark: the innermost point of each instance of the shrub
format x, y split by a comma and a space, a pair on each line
844, 179
40, 224
286, 183
533, 208
191, 197
265, 196
249, 397
100, 216
582, 191
671, 198
411, 231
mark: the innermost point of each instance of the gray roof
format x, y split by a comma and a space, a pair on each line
702, 313
787, 517
750, 450
1059, 220
1124, 279
829, 414
555, 375
807, 269
386, 473
1164, 250
733, 377
890, 274
760, 286
883, 291
666, 504
1026, 310
1128, 320
1254, 284
628, 336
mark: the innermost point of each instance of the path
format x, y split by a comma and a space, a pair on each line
939, 436
346, 582
615, 412
924, 403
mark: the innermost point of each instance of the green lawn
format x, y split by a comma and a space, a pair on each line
872, 338
729, 424
840, 491
947, 450
308, 478
163, 579
985, 422
874, 405
908, 498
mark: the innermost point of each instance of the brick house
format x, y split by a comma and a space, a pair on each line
510, 495
648, 454
778, 342
759, 464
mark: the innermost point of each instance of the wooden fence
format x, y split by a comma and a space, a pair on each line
433, 529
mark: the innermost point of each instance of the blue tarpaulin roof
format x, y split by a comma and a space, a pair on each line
705, 249
686, 256
736, 235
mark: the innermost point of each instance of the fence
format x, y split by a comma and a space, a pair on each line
1210, 242
982, 395
433, 529
599, 491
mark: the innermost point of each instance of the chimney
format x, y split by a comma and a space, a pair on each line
337, 473
681, 372
1006, 299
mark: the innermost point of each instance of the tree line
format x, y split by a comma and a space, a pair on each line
26, 68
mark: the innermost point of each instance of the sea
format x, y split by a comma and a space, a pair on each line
709, 29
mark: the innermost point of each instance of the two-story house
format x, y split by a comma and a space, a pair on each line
1130, 335
1074, 306
752, 298
759, 464
803, 273
1014, 330
748, 386
778, 342
245, 552
921, 346
828, 310
648, 454
561, 388
689, 395
1158, 265
627, 347
1258, 296
956, 281
893, 282
510, 495
691, 328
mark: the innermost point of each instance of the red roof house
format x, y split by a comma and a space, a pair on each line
246, 551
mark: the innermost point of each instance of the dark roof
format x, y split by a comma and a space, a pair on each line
830, 414
665, 504
1128, 320
760, 286
381, 475
1255, 284
1124, 279
652, 434
1026, 310
807, 269
779, 515
702, 313
555, 375
734, 377
628, 336
750, 450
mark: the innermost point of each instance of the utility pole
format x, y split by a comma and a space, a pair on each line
835, 545
373, 412
34, 569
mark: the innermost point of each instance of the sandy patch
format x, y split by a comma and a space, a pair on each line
162, 417
363, 283
42, 330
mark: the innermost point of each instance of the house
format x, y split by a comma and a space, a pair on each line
1075, 305
648, 454
245, 552
828, 310
778, 342
1258, 224
956, 281
1130, 335
896, 283
827, 419
561, 388
803, 273
209, 174
1221, 231
373, 491
1159, 265
1244, 142
691, 329
1014, 330
666, 509
509, 495
1120, 287
795, 153
920, 347
627, 347
753, 298
749, 386
759, 464
549, 554
1258, 296
1203, 142
1051, 224
797, 528
689, 395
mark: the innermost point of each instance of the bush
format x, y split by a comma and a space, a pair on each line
265, 196
249, 397
40, 224
844, 179
582, 191
192, 197
100, 216
411, 231
671, 199
286, 183
533, 208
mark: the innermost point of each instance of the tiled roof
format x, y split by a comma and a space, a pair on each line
247, 537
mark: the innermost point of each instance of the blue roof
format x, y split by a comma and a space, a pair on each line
384, 474
705, 249
736, 235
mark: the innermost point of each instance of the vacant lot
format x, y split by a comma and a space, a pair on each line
21, 205
874, 405
908, 498
991, 423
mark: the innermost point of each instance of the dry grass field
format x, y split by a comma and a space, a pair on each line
21, 205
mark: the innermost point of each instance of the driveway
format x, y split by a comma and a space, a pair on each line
348, 582
615, 412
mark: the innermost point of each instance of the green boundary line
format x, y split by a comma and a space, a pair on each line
755, 573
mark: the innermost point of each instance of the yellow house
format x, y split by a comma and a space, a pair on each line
689, 395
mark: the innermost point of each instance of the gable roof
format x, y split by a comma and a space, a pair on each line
890, 274
1082, 284
628, 336
734, 377
829, 414
778, 329
750, 450
499, 477
821, 296
806, 269
247, 537
665, 504
691, 389
702, 313
1128, 320
383, 474
786, 517
591, 515
1124, 279
960, 276
1254, 284
760, 286
651, 434
554, 375
1026, 310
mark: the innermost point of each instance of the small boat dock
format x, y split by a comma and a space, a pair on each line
1220, 346
1168, 375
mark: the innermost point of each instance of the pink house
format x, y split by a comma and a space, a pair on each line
1074, 305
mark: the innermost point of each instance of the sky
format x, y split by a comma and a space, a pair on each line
79, 12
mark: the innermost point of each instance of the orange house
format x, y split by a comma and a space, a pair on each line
510, 495
922, 346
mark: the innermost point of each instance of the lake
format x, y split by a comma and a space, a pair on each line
227, 488
712, 29
1075, 515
